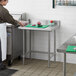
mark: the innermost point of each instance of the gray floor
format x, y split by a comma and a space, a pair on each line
36, 67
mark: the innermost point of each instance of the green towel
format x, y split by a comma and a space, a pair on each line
30, 25
70, 48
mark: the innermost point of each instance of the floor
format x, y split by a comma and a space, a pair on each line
35, 67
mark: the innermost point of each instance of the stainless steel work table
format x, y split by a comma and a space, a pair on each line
48, 29
62, 49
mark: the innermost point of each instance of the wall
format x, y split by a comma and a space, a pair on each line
42, 9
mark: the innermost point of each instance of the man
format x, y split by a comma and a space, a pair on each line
6, 17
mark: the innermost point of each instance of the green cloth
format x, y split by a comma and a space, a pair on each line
30, 25
70, 48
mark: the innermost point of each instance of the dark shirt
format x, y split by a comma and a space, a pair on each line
6, 17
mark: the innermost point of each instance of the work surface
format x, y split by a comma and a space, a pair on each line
50, 28
47, 29
70, 41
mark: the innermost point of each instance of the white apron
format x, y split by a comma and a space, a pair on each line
3, 37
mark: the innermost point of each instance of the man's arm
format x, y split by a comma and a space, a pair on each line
9, 19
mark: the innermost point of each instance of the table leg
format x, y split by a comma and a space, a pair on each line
48, 49
64, 65
54, 45
23, 46
30, 44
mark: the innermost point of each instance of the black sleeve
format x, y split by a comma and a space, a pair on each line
8, 18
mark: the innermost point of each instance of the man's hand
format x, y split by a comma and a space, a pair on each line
21, 24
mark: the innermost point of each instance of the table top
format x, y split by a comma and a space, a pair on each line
71, 41
49, 28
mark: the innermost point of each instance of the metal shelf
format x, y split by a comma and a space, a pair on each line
64, 3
